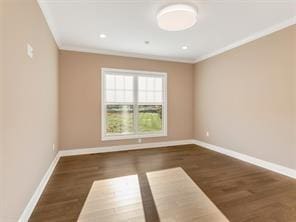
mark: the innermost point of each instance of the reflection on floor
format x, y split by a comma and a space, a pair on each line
176, 198
117, 199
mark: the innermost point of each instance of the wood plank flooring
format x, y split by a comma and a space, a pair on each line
241, 191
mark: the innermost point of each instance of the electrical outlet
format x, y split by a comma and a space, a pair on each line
53, 147
140, 140
207, 133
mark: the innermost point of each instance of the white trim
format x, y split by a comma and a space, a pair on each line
71, 152
131, 71
135, 74
34, 199
250, 38
49, 20
236, 44
258, 162
124, 54
48, 17
106, 149
133, 136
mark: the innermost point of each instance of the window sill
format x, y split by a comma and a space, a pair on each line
132, 136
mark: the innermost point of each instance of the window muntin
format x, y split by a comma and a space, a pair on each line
133, 104
150, 90
119, 89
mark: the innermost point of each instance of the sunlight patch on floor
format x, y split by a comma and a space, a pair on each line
116, 199
176, 198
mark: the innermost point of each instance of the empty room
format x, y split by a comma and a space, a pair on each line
148, 110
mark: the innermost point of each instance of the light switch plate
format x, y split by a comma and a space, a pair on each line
30, 51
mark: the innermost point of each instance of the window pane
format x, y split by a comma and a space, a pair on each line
129, 96
142, 96
150, 83
141, 83
158, 97
149, 97
158, 84
129, 84
119, 119
119, 88
150, 89
110, 96
110, 82
150, 118
119, 96
119, 82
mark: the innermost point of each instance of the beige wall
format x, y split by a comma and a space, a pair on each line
30, 103
1, 112
79, 97
294, 87
245, 98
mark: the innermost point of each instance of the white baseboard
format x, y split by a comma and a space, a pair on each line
34, 199
262, 163
72, 152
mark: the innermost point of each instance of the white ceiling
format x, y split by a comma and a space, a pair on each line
221, 25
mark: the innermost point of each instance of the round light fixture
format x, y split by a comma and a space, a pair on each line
176, 17
184, 47
103, 36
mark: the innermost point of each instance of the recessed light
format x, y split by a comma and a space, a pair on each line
103, 36
177, 17
184, 47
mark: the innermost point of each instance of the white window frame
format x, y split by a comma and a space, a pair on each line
135, 135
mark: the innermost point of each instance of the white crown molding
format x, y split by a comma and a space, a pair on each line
250, 38
124, 54
48, 18
258, 162
34, 199
241, 42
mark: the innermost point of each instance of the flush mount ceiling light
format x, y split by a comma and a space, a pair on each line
184, 47
103, 36
176, 17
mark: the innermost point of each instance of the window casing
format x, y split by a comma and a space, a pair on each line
133, 104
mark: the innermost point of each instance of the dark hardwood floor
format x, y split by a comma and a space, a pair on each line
243, 192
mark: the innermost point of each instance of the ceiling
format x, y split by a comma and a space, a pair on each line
221, 25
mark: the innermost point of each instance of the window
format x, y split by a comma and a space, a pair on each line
133, 104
